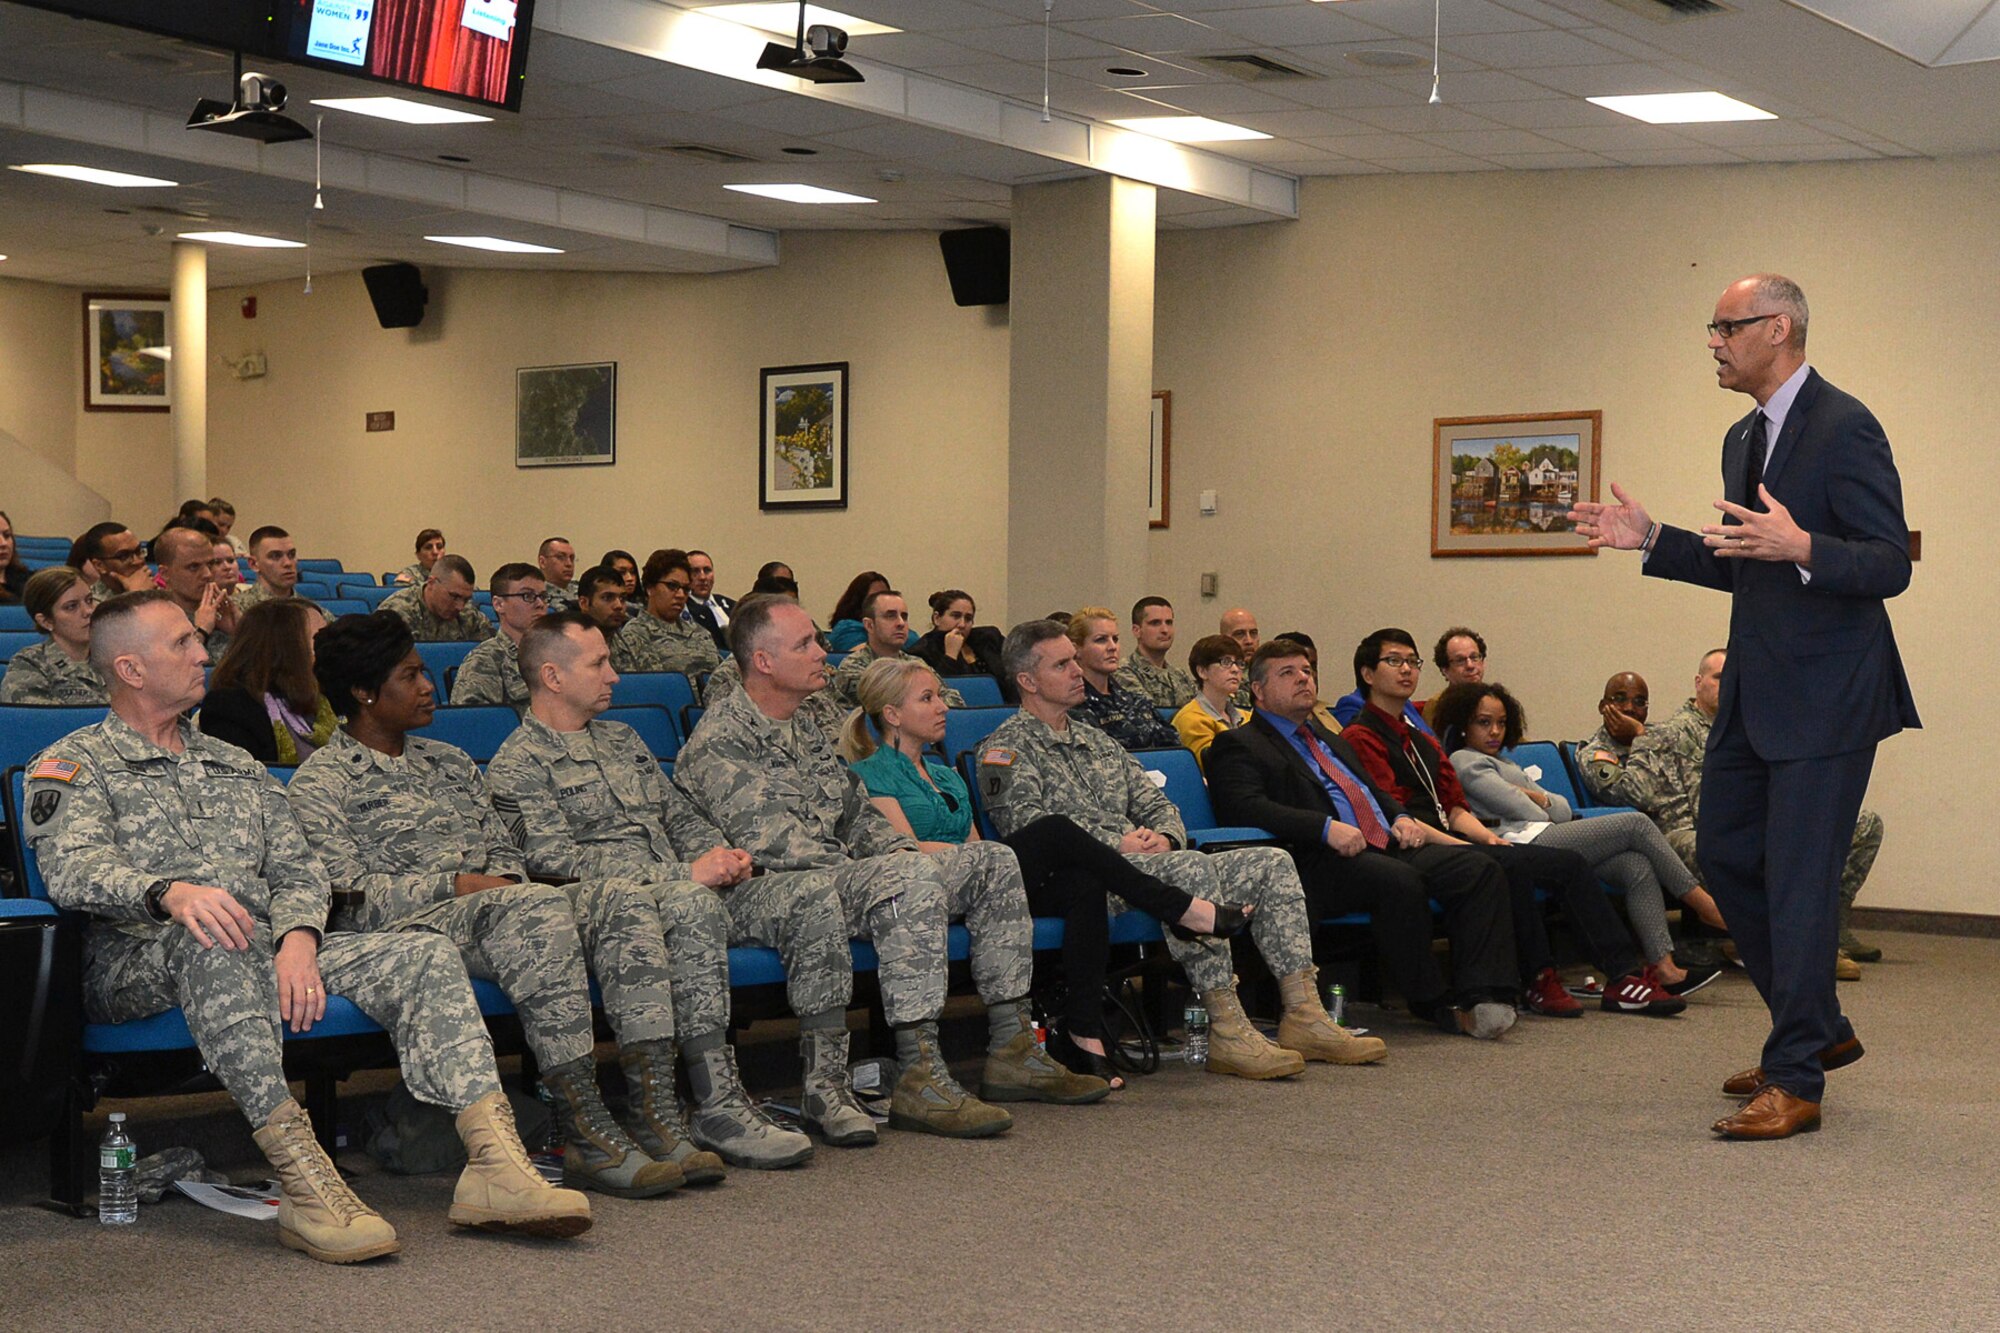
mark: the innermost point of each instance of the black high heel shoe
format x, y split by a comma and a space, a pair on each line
1230, 919
1079, 1061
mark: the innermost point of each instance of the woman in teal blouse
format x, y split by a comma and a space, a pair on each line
1067, 872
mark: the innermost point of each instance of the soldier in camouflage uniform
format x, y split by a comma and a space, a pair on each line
1624, 708
1148, 672
275, 557
204, 894
886, 618
440, 610
761, 770
491, 673
1124, 716
556, 559
658, 639
1662, 776
46, 674
1037, 763
587, 801
403, 827
821, 706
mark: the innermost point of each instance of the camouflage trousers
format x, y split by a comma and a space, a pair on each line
1861, 854
798, 913
1259, 877
696, 927
905, 902
413, 985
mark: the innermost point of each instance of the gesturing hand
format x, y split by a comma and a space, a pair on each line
1771, 535
1622, 527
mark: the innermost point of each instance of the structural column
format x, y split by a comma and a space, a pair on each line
1080, 397
188, 371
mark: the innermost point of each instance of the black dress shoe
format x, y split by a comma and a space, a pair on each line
1230, 919
1079, 1061
1696, 978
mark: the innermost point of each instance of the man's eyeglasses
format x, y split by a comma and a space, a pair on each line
531, 598
1726, 329
1467, 660
121, 557
1416, 662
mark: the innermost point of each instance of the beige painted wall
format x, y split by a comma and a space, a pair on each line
1308, 361
927, 472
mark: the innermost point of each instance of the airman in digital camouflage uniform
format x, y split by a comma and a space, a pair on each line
885, 616
1147, 671
763, 771
203, 894
587, 800
440, 609
491, 673
821, 705
1662, 776
403, 827
1037, 763
657, 639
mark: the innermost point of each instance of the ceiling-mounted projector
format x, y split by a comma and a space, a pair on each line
253, 115
814, 57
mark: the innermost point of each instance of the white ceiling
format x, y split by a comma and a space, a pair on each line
587, 165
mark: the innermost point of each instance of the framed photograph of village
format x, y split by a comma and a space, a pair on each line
1504, 485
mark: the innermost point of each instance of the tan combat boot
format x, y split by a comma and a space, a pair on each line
653, 1112
1308, 1029
930, 1101
500, 1190
318, 1214
1236, 1047
1021, 1071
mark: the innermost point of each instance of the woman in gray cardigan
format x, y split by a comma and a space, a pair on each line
1482, 721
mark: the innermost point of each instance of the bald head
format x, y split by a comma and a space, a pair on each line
1627, 693
1241, 626
147, 653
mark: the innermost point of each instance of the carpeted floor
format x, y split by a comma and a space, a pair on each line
1563, 1178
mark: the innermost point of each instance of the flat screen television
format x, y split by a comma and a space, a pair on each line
476, 50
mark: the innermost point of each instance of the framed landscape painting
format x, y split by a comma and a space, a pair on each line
125, 346
802, 437
1504, 485
566, 416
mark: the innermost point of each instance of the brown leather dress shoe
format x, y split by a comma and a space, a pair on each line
1837, 1056
1772, 1114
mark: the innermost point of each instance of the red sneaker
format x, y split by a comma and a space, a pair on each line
1641, 993
1547, 996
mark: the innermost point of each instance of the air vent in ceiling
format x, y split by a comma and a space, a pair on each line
1670, 11
702, 152
1250, 66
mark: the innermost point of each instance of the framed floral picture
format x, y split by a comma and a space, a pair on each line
125, 349
802, 440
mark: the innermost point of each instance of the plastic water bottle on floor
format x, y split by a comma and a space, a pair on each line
117, 1193
1336, 1002
1196, 1021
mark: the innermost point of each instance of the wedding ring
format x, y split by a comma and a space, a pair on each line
312, 990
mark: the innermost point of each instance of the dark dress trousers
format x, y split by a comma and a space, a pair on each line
1256, 777
1812, 683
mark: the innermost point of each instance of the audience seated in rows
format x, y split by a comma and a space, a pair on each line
1217, 663
626, 566
1460, 655
225, 525
429, 546
188, 571
659, 638
955, 646
491, 673
1147, 671
885, 618
1127, 717
13, 570
1412, 767
275, 557
440, 609
705, 606
262, 695
844, 630
1241, 626
110, 556
56, 671
557, 560
1037, 763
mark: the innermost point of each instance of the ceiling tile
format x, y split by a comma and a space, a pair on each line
1416, 116
1550, 161
1487, 143
1414, 18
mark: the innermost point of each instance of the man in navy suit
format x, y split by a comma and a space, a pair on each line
705, 606
1811, 544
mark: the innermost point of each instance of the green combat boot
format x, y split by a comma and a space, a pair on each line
828, 1102
597, 1154
726, 1122
653, 1112
1021, 1071
928, 1100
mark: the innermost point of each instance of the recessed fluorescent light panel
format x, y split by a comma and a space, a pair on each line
496, 244
400, 109
243, 238
1681, 108
783, 19
123, 180
802, 194
1189, 129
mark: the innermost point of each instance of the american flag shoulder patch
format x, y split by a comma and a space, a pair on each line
55, 770
998, 756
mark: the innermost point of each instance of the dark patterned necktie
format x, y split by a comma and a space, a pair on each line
1753, 466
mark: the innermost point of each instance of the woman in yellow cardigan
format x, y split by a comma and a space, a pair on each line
1217, 664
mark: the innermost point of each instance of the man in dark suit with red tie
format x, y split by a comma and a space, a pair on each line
1811, 545
1357, 851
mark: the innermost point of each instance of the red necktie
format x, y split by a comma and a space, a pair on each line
1364, 813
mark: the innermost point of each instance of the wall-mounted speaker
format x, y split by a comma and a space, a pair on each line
398, 293
976, 262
